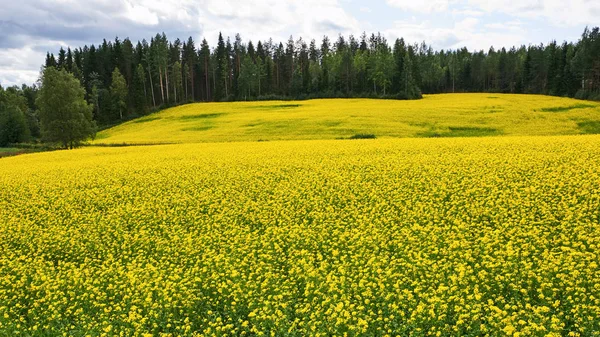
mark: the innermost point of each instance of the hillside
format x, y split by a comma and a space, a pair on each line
444, 115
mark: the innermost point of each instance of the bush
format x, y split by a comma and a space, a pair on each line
581, 94
594, 97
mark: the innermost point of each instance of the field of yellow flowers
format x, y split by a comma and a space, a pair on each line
496, 236
448, 115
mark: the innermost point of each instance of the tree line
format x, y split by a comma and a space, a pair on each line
120, 80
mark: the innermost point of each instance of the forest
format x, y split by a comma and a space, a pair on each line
122, 79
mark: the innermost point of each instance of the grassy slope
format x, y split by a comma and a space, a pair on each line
448, 115
12, 151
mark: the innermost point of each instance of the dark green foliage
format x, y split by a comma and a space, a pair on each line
201, 116
275, 107
33, 124
145, 120
220, 77
18, 122
460, 131
138, 94
13, 125
65, 116
363, 136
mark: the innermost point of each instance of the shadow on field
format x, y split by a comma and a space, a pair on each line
460, 131
567, 108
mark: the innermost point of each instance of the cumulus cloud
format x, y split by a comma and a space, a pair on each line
560, 12
465, 33
421, 6
31, 27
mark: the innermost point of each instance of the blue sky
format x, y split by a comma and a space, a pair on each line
29, 28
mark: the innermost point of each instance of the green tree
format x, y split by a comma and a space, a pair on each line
94, 97
13, 125
139, 90
62, 59
177, 81
248, 78
410, 90
18, 122
221, 70
65, 116
382, 68
118, 92
205, 66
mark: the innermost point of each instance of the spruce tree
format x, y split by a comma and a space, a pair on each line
139, 91
221, 70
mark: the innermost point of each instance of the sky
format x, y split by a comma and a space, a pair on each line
30, 28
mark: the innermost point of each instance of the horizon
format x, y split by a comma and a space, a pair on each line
442, 24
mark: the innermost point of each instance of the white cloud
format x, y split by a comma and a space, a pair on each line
30, 28
420, 6
558, 12
20, 65
467, 12
464, 33
140, 14
263, 19
515, 26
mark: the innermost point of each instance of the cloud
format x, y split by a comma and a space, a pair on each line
31, 27
140, 14
19, 66
515, 26
559, 12
465, 33
420, 6
467, 12
264, 19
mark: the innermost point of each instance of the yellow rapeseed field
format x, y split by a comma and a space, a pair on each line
494, 236
450, 115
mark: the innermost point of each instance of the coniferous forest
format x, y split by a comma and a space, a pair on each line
123, 79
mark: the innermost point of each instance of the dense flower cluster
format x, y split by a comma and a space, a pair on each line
404, 237
448, 115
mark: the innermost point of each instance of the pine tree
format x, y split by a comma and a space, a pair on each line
189, 59
50, 61
62, 59
69, 60
205, 65
139, 90
221, 70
